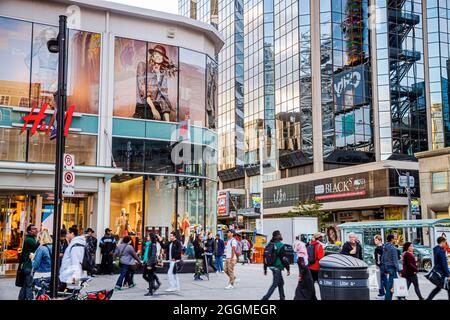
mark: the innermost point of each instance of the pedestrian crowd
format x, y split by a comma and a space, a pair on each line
77, 261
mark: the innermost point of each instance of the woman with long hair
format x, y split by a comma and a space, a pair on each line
409, 271
150, 260
42, 258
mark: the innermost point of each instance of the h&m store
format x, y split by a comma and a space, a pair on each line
133, 76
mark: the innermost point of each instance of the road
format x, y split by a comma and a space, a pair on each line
253, 285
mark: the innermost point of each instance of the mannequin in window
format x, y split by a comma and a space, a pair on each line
185, 229
122, 226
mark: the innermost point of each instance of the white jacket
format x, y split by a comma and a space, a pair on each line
72, 260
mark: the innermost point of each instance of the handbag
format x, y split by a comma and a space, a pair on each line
436, 278
135, 266
400, 287
179, 265
20, 276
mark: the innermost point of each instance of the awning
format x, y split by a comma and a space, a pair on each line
49, 169
395, 224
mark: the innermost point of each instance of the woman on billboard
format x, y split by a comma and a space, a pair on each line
156, 105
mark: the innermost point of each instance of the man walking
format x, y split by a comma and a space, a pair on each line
91, 245
276, 261
219, 249
71, 270
30, 245
440, 266
246, 246
231, 258
210, 244
173, 250
390, 263
107, 247
379, 263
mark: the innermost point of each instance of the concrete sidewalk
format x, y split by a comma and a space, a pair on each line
253, 285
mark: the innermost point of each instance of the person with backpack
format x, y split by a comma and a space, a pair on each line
71, 269
128, 262
246, 247
219, 249
91, 244
305, 288
440, 269
315, 253
150, 260
231, 257
275, 260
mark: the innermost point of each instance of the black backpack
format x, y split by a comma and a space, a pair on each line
88, 263
287, 254
311, 249
270, 254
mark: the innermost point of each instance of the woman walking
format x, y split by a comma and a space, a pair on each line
128, 260
42, 258
150, 259
409, 271
305, 288
199, 249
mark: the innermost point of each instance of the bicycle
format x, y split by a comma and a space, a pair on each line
42, 292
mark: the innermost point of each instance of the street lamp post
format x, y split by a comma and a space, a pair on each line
408, 194
59, 46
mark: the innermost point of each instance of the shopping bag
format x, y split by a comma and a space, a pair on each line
400, 287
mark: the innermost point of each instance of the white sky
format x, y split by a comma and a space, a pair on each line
170, 6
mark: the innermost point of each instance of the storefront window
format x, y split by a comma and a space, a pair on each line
12, 145
161, 214
126, 205
15, 54
145, 80
439, 181
84, 71
44, 76
211, 206
157, 157
128, 95
128, 154
84, 147
192, 87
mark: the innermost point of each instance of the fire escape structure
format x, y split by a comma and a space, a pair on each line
404, 97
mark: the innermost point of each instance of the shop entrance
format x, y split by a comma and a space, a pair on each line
18, 210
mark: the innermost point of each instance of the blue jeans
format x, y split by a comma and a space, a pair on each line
278, 282
219, 263
125, 274
383, 282
391, 275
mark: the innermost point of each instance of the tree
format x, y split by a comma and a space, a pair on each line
310, 208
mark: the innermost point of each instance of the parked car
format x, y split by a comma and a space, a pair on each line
423, 256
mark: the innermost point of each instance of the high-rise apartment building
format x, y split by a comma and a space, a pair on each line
345, 93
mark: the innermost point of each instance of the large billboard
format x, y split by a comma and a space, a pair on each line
351, 88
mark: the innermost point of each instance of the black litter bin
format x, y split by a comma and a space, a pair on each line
343, 278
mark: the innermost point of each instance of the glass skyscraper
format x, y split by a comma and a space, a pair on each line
331, 84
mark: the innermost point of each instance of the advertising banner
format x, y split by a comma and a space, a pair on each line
47, 218
223, 205
443, 232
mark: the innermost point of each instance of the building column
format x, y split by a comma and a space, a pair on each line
426, 66
374, 75
316, 86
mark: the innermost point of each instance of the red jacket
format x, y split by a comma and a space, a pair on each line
319, 253
409, 265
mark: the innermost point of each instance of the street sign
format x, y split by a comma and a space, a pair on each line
68, 183
69, 162
68, 175
403, 181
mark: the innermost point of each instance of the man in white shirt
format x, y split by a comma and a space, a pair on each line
231, 258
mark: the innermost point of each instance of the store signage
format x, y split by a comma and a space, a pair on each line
279, 196
38, 120
350, 187
415, 207
69, 175
223, 204
403, 181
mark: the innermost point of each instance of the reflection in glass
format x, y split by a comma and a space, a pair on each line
211, 92
84, 71
13, 145
15, 55
192, 87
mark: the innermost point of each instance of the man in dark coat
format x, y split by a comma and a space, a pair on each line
219, 250
352, 247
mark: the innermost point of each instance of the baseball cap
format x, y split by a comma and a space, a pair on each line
317, 235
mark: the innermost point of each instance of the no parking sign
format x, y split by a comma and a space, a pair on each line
69, 175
